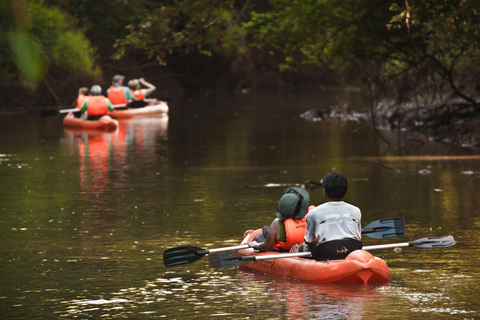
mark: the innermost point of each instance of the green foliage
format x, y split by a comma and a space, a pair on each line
26, 56
35, 37
316, 32
439, 39
385, 40
105, 22
60, 44
393, 38
10, 40
185, 26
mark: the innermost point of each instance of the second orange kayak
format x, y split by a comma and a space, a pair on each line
160, 108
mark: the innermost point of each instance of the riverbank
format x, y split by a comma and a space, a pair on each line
453, 122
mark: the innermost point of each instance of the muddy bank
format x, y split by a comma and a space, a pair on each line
452, 121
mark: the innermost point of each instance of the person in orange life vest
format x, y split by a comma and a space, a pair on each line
137, 91
96, 105
334, 227
82, 96
118, 93
288, 228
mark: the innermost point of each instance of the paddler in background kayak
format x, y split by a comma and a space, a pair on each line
139, 93
118, 93
96, 106
288, 228
83, 94
334, 227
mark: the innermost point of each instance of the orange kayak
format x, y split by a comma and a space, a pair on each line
105, 123
360, 266
159, 108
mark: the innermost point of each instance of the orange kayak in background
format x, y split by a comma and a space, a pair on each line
105, 123
360, 266
159, 108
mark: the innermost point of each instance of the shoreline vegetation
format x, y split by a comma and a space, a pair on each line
419, 62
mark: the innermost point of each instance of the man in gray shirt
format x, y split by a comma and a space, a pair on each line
334, 227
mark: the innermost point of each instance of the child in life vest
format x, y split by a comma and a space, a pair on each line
288, 229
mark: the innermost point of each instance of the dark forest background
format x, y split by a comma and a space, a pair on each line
423, 55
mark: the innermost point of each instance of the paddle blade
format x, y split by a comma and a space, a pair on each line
229, 260
433, 242
49, 113
182, 255
385, 228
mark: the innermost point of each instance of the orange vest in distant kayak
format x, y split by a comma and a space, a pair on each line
117, 96
138, 94
97, 106
295, 232
81, 100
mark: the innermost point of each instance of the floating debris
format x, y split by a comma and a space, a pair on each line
424, 171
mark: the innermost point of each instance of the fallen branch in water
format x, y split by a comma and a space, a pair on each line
311, 185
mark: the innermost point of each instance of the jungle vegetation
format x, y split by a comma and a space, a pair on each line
424, 51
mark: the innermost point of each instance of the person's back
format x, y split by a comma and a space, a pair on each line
82, 96
137, 91
97, 105
336, 220
119, 94
288, 228
334, 227
292, 232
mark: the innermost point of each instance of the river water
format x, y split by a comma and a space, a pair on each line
86, 217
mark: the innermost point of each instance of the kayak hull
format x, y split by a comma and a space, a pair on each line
105, 123
160, 108
360, 266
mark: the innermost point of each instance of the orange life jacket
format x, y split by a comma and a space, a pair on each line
138, 94
295, 233
81, 100
97, 106
117, 96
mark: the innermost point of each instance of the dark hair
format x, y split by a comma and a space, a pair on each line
335, 185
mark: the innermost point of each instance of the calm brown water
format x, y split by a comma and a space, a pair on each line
85, 218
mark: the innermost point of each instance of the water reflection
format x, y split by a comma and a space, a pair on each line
304, 300
210, 293
100, 153
74, 244
93, 154
139, 136
103, 161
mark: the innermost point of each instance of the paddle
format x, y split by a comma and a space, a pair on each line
379, 229
188, 254
234, 259
54, 112
385, 228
